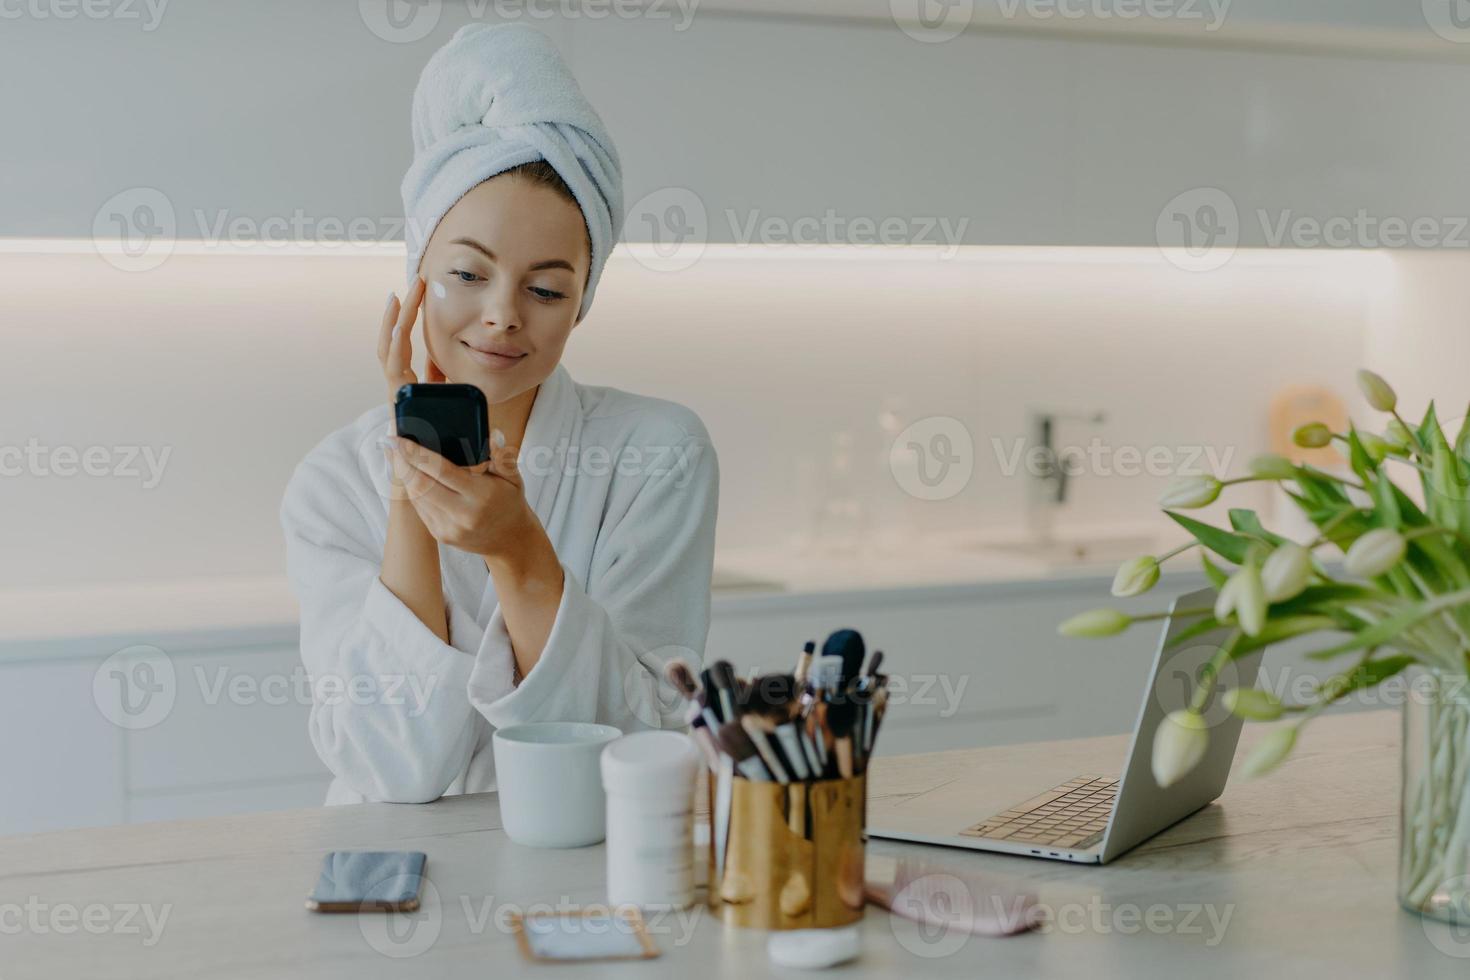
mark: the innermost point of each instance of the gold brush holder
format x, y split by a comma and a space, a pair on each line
795, 855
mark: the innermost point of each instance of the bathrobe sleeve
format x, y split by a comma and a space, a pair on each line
389, 714
646, 600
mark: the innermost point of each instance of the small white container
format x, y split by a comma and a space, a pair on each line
649, 780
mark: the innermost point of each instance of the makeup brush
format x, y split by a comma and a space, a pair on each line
841, 717
847, 644
774, 706
875, 715
804, 663
711, 699
738, 746
756, 726
681, 675
873, 663
722, 676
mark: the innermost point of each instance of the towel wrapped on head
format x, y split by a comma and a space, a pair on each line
496, 97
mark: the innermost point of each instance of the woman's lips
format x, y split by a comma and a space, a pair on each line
494, 358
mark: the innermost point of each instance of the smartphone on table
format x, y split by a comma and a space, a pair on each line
369, 881
450, 419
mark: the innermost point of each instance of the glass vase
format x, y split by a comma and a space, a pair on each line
1434, 812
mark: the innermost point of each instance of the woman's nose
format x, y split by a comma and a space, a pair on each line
502, 309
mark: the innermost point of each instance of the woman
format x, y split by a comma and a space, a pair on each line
551, 583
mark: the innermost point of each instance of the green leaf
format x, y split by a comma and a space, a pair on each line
1386, 630
1385, 501
1322, 489
1213, 572
1193, 630
1370, 673
1284, 628
1462, 441
1231, 547
1246, 522
1358, 457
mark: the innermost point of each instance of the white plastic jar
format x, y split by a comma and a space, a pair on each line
649, 779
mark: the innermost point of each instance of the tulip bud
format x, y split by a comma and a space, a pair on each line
1285, 571
1096, 623
1136, 577
1375, 552
1269, 751
1257, 705
1313, 435
1375, 446
1269, 466
1243, 595
1190, 491
1377, 391
1179, 744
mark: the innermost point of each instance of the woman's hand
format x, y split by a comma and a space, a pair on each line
479, 509
395, 343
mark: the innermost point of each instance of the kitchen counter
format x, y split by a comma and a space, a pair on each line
1288, 875
223, 613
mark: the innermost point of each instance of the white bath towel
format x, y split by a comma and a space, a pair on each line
494, 97
627, 489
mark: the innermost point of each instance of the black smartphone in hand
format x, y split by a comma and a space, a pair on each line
450, 419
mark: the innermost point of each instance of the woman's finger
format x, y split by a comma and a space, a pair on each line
385, 329
399, 368
435, 466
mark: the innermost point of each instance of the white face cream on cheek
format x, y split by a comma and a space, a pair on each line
438, 288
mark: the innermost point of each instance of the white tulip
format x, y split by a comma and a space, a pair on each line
1285, 571
1378, 392
1179, 744
1243, 595
1095, 623
1269, 751
1375, 552
1190, 492
1136, 577
1249, 702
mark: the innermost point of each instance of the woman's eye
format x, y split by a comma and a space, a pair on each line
463, 276
547, 294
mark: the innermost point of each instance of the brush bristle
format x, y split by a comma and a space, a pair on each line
735, 742
681, 675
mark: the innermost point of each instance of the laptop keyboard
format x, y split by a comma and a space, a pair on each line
1073, 815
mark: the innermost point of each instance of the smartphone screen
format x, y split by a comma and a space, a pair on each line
354, 881
450, 419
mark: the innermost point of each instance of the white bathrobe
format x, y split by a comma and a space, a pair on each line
626, 487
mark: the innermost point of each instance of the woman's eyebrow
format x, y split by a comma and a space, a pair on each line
548, 264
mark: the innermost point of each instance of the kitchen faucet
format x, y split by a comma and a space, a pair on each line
1050, 476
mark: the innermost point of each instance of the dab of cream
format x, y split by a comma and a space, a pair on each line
438, 288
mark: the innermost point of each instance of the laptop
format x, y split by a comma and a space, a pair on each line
1092, 818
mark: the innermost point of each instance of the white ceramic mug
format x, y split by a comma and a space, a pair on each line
549, 783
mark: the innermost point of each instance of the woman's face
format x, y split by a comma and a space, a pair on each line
505, 270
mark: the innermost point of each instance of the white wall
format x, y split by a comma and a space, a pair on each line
237, 364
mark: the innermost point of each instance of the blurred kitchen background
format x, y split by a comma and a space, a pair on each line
910, 261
